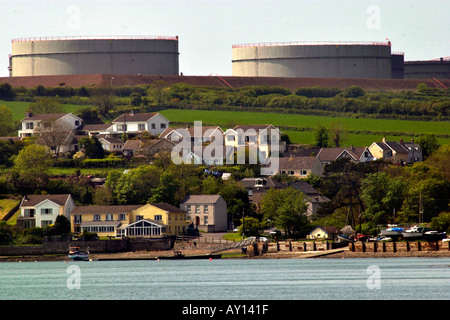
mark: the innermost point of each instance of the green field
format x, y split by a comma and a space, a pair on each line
18, 108
374, 129
361, 131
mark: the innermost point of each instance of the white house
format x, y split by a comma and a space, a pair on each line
111, 144
42, 210
203, 134
31, 122
135, 123
355, 154
259, 136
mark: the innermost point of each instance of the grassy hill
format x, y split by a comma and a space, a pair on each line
299, 128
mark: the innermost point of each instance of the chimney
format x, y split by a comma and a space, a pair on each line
132, 113
412, 140
28, 114
401, 141
383, 140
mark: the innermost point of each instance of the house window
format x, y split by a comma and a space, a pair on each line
291, 173
28, 213
97, 217
46, 211
29, 125
124, 127
141, 126
109, 217
153, 126
45, 223
122, 216
163, 126
158, 217
197, 208
303, 172
77, 219
139, 217
205, 209
231, 138
206, 220
188, 208
77, 122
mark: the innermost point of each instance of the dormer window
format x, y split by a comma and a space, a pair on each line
259, 182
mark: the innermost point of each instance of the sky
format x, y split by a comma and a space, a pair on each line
207, 29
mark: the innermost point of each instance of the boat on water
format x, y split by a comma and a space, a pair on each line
77, 254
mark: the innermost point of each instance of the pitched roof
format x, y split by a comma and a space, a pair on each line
34, 199
267, 183
133, 117
397, 147
296, 162
111, 140
191, 130
105, 209
132, 145
168, 207
95, 127
256, 127
305, 187
46, 116
201, 198
331, 154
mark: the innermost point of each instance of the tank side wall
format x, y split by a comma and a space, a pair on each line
67, 57
328, 61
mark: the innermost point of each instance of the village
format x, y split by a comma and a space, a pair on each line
148, 137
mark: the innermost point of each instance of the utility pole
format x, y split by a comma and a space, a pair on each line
243, 224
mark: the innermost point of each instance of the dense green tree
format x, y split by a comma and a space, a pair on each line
92, 148
383, 197
7, 127
287, 209
428, 143
166, 189
46, 105
31, 167
321, 137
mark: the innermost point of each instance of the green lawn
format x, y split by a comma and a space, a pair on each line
6, 204
18, 108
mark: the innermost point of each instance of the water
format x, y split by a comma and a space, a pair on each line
229, 279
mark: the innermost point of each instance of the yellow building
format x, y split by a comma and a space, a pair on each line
150, 220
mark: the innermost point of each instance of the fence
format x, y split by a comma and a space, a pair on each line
399, 246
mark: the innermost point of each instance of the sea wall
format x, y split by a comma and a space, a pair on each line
100, 246
399, 247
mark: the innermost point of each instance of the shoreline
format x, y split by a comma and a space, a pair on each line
233, 254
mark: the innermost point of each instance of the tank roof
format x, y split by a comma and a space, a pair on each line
313, 43
65, 38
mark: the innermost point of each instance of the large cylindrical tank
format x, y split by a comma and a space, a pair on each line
109, 55
313, 60
428, 69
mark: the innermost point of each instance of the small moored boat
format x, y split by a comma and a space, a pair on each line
75, 253
392, 231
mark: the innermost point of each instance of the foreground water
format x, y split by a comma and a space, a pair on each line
230, 279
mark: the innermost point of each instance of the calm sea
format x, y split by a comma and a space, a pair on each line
229, 279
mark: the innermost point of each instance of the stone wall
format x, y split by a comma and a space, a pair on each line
100, 246
399, 246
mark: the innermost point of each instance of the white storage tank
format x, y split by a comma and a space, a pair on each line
146, 55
